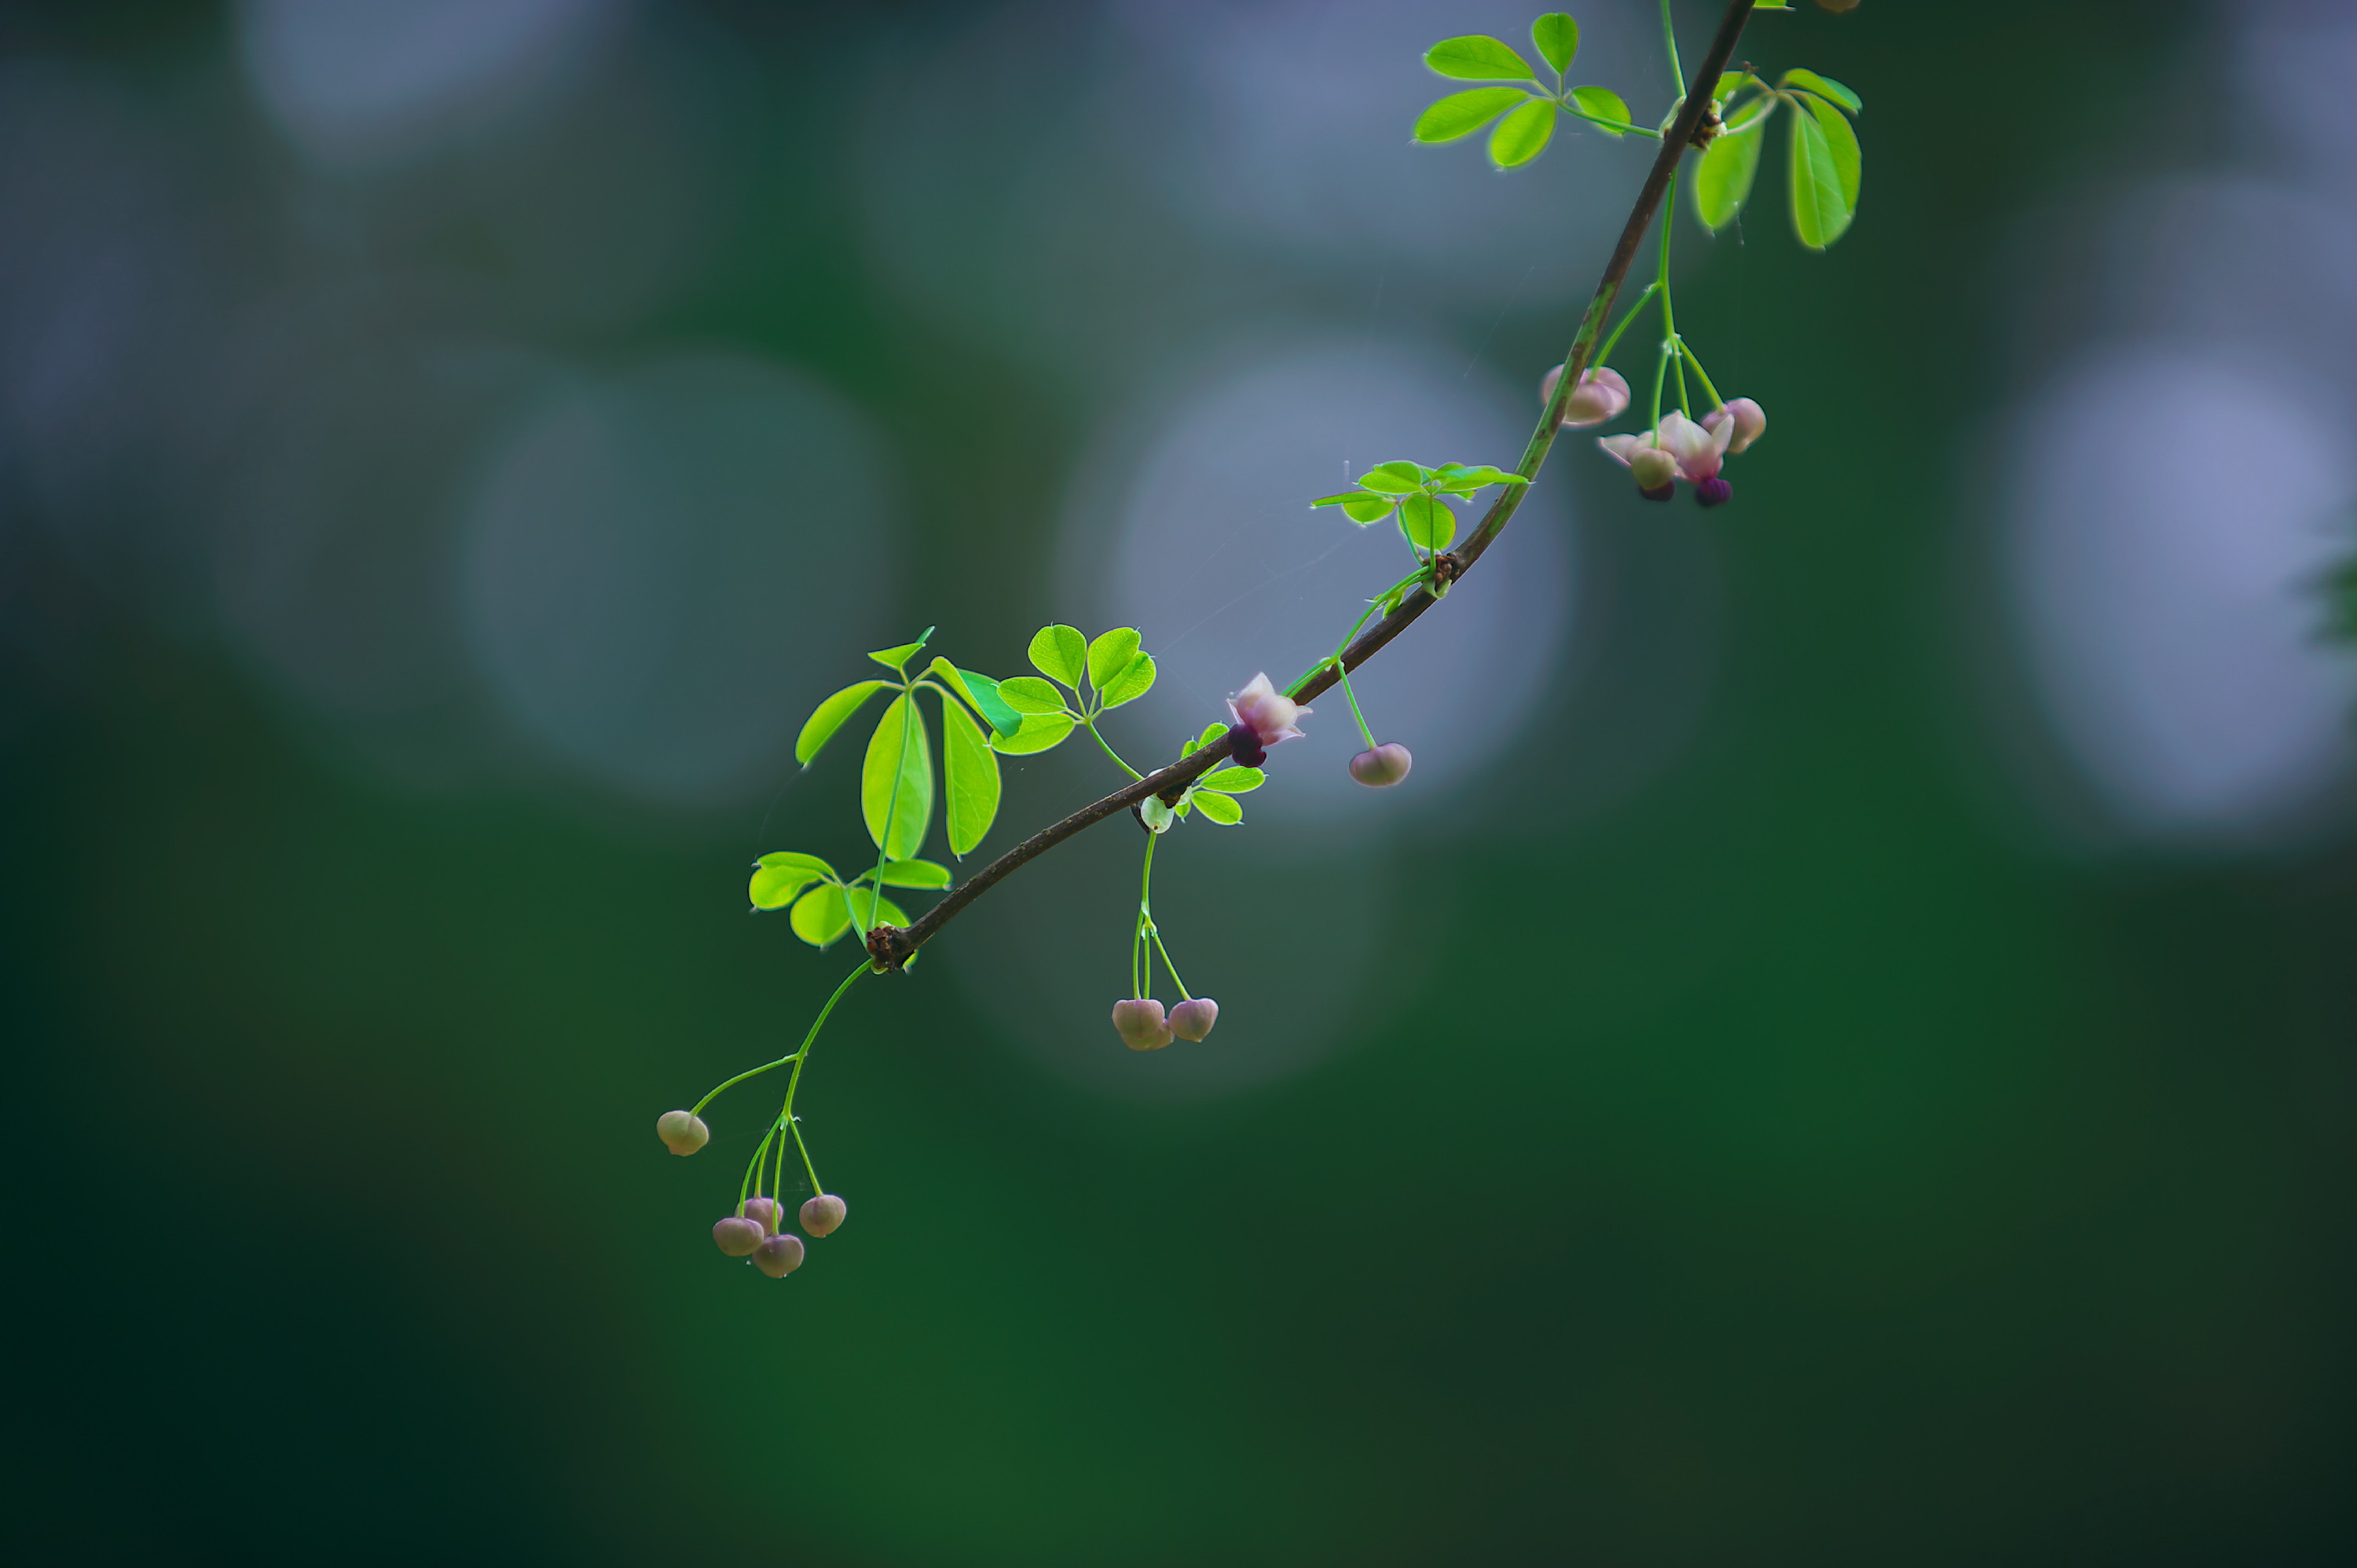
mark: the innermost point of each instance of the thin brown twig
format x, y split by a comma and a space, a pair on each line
891, 946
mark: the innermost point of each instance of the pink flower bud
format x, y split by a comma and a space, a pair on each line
1387, 764
822, 1214
1265, 715
1140, 1023
1655, 471
1751, 422
736, 1236
1193, 1020
1600, 395
683, 1131
778, 1256
763, 1211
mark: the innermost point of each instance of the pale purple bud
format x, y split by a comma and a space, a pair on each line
1193, 1020
683, 1131
779, 1255
1140, 1023
822, 1214
1600, 395
1387, 764
1751, 422
736, 1236
764, 1212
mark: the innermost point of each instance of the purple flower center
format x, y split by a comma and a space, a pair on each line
1714, 490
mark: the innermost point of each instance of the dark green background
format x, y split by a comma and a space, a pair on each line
1805, 1159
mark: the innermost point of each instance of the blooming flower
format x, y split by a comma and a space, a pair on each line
1678, 449
1600, 395
1751, 422
1264, 715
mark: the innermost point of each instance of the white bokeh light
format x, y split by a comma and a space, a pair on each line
2171, 516
654, 584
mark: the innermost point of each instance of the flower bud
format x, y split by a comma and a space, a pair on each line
1751, 422
1140, 1023
1193, 1020
683, 1131
763, 1211
779, 1255
1387, 764
736, 1236
822, 1214
1714, 491
1600, 395
1656, 472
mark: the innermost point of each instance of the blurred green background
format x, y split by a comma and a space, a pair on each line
1787, 1086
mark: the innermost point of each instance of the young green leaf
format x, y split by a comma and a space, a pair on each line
1826, 86
1338, 501
1604, 104
1723, 183
894, 657
1729, 84
1110, 655
1060, 653
1040, 732
1820, 210
982, 692
1475, 57
1369, 508
1842, 138
1232, 780
1557, 38
1131, 683
779, 878
1397, 477
1029, 694
896, 786
872, 909
971, 773
1428, 524
915, 874
829, 717
822, 916
1523, 134
1211, 732
1462, 113
1217, 807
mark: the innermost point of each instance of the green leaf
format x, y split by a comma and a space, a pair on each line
1041, 731
779, 878
1233, 780
1462, 113
829, 716
1369, 508
1523, 134
1029, 694
896, 783
1729, 84
1132, 683
1110, 655
1338, 501
872, 909
915, 874
1060, 653
894, 657
1557, 38
1604, 104
1211, 732
1821, 212
1823, 85
1723, 183
971, 773
1397, 477
1428, 524
1217, 808
1476, 57
1157, 816
982, 692
821, 917
1842, 137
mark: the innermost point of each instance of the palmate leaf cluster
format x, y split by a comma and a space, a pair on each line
1415, 493
1825, 164
1525, 116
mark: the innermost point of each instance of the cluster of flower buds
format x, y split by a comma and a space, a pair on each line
1142, 1026
754, 1230
1679, 448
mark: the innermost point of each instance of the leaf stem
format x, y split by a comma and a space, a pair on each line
1670, 41
891, 811
1716, 400
786, 1116
1090, 724
1604, 355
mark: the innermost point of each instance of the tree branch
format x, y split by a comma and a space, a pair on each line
892, 946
